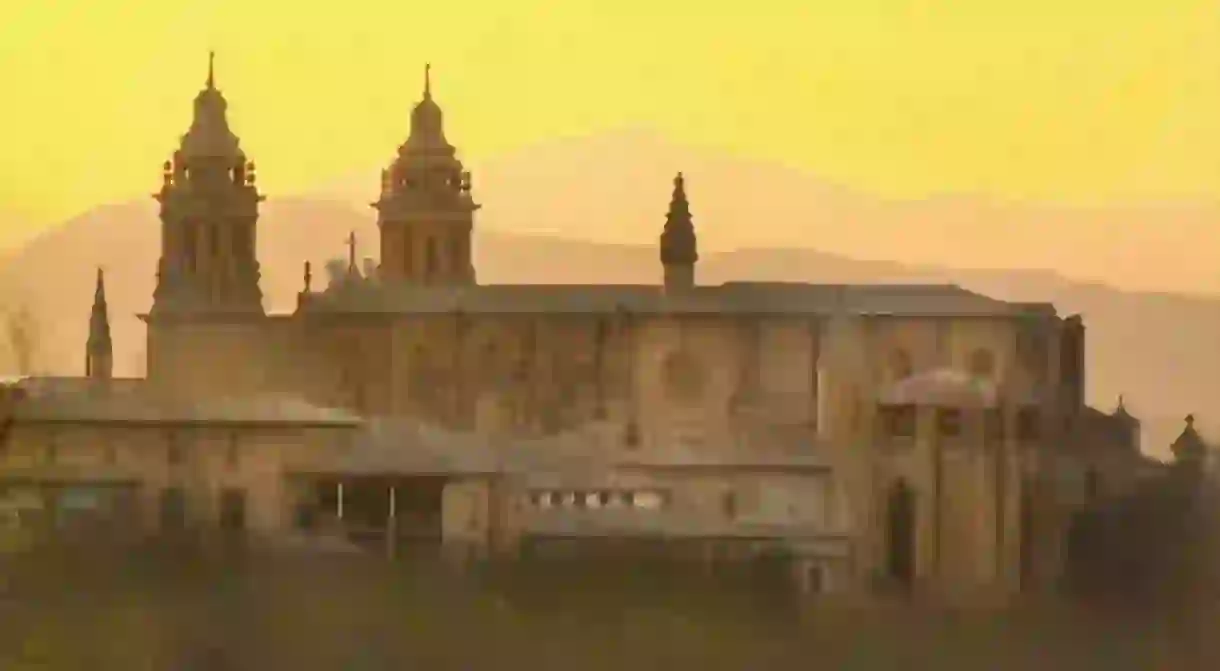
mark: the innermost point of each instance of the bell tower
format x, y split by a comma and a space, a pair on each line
425, 212
209, 211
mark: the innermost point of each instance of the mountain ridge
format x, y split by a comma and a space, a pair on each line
613, 187
1163, 372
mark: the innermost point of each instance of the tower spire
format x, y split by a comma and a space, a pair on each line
679, 245
99, 355
427, 81
192, 276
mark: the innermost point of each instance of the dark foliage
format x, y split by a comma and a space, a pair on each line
168, 607
1141, 551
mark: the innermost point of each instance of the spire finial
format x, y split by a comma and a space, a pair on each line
427, 80
1190, 421
99, 290
351, 252
212, 69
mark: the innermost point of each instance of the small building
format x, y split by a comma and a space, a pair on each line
83, 454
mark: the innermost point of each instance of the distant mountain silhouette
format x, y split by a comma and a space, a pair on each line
614, 186
1158, 349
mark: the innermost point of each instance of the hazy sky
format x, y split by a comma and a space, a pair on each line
1053, 99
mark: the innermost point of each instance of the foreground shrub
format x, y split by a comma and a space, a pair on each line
165, 608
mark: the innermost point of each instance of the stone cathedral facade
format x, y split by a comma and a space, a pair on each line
921, 435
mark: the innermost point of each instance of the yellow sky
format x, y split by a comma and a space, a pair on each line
1053, 99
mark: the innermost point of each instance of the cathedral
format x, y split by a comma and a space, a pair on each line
922, 436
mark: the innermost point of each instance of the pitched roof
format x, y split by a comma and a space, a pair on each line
730, 298
78, 400
407, 445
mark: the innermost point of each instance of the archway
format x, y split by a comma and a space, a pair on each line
900, 534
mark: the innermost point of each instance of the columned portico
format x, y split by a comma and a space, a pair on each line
398, 514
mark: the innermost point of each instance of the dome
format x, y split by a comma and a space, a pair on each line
941, 387
209, 134
427, 119
210, 101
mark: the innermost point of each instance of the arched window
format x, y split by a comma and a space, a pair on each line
458, 255
431, 259
239, 243
214, 240
900, 536
189, 231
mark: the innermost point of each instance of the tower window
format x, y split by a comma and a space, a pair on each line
237, 244
430, 258
459, 260
214, 241
189, 231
